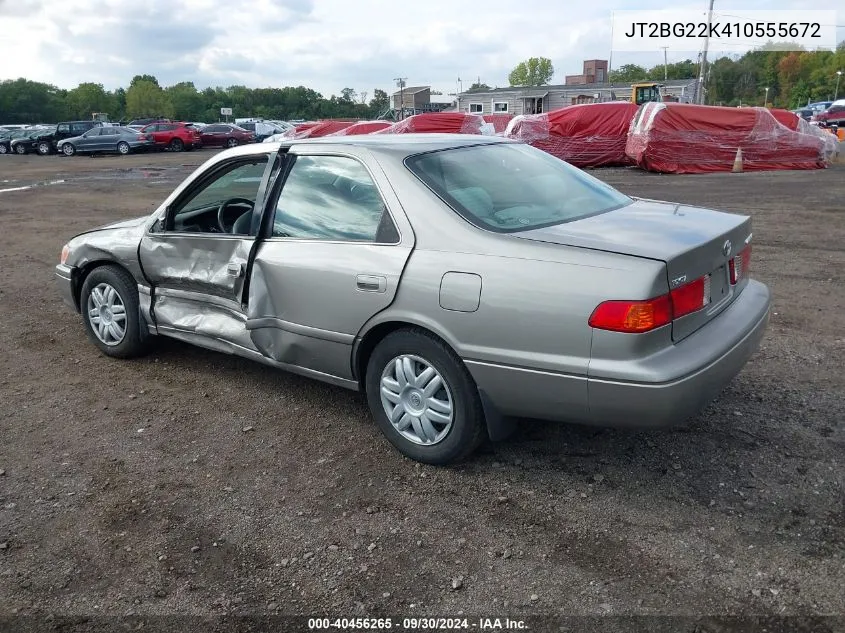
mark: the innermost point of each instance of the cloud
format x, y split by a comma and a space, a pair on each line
19, 8
323, 44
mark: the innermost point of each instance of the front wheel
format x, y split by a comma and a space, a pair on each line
4, 149
423, 398
68, 149
20, 149
44, 148
176, 145
109, 304
232, 142
123, 148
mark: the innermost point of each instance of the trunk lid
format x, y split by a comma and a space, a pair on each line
691, 241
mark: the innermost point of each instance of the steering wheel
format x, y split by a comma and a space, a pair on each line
221, 211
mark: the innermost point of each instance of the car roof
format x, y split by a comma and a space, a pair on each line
402, 144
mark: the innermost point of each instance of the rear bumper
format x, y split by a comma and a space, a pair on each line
736, 333
702, 365
65, 285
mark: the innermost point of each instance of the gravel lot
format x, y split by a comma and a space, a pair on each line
195, 483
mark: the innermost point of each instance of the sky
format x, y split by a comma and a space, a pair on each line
326, 45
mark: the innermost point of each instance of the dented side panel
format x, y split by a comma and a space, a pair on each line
308, 299
198, 281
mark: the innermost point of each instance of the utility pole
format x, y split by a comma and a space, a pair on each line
704, 56
458, 97
665, 67
400, 83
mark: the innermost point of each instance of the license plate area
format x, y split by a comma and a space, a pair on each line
720, 289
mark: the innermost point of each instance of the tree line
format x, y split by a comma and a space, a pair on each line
793, 78
25, 101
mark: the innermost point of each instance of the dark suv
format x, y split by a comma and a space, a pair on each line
45, 143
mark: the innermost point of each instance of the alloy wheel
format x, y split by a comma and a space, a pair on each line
107, 314
417, 400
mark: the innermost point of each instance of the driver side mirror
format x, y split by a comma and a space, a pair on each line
158, 225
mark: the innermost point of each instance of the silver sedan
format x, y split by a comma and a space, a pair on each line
460, 282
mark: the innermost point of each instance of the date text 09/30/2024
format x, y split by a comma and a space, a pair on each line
417, 624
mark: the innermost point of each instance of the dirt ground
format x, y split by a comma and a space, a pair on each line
194, 483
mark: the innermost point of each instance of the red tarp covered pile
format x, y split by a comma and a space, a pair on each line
585, 135
499, 120
684, 138
317, 129
786, 118
362, 127
439, 123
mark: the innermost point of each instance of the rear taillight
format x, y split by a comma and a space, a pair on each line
636, 317
740, 265
691, 297
142, 137
632, 316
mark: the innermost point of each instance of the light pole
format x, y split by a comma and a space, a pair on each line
766, 99
838, 77
665, 67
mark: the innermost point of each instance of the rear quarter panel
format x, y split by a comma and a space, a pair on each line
533, 309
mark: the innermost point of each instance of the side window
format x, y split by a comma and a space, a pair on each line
92, 132
235, 189
77, 128
211, 129
64, 128
166, 128
108, 131
332, 198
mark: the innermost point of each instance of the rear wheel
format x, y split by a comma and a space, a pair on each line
232, 142
4, 149
68, 149
44, 148
176, 145
109, 304
20, 149
123, 148
423, 398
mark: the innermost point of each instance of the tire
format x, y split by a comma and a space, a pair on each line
232, 142
95, 292
123, 148
44, 148
176, 145
3, 148
451, 443
20, 150
68, 149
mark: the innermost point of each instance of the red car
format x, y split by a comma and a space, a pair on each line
225, 135
834, 115
174, 135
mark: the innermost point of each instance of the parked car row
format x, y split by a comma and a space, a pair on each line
89, 137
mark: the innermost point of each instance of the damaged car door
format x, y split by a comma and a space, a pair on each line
334, 244
195, 256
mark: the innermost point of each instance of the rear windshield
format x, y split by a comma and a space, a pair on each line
513, 187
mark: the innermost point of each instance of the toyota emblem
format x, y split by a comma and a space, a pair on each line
726, 248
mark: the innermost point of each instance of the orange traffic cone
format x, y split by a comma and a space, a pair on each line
738, 161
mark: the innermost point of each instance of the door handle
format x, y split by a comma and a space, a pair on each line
234, 269
371, 283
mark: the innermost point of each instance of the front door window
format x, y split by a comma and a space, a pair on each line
224, 204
